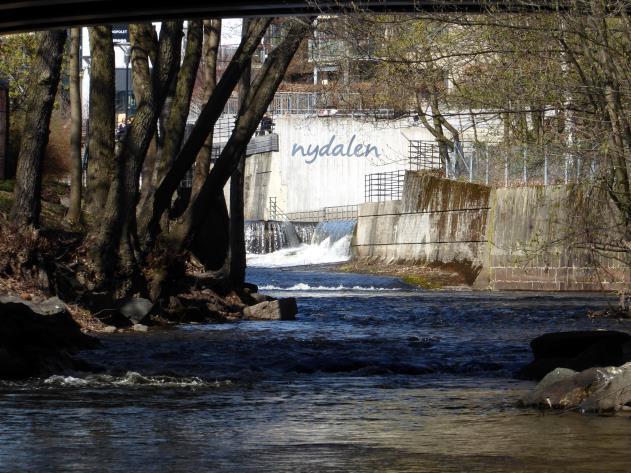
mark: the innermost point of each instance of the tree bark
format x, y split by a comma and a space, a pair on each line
117, 247
101, 121
212, 37
260, 96
74, 209
237, 225
150, 223
43, 82
175, 122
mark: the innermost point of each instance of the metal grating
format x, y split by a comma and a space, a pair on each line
383, 186
423, 156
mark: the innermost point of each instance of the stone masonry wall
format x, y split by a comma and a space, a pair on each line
437, 222
525, 238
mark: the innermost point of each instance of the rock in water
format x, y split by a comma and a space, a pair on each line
281, 309
52, 306
36, 339
135, 309
577, 351
592, 390
571, 344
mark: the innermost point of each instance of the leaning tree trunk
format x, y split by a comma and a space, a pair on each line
74, 209
260, 96
175, 121
212, 37
191, 224
149, 223
43, 81
101, 121
237, 225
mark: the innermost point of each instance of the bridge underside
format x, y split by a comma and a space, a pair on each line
28, 15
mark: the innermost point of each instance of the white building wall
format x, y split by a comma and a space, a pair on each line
332, 178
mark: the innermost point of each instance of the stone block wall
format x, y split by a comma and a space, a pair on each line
525, 238
540, 238
437, 222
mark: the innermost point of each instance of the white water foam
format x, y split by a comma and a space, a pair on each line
307, 287
131, 378
320, 253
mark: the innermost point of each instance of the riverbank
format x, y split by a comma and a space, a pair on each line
414, 275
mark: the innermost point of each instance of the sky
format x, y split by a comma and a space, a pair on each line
231, 31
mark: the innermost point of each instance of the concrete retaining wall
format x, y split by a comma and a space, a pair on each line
512, 238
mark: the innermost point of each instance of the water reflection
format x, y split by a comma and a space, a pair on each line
414, 382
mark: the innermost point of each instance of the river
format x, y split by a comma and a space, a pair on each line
374, 376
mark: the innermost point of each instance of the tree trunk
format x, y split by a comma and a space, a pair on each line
175, 122
74, 209
237, 228
101, 121
150, 223
260, 96
212, 37
117, 246
43, 81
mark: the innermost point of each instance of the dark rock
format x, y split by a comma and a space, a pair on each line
281, 309
114, 318
537, 369
52, 306
577, 351
38, 339
258, 297
250, 288
571, 344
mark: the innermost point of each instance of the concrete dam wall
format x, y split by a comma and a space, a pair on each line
522, 238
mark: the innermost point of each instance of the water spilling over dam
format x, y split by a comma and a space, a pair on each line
280, 244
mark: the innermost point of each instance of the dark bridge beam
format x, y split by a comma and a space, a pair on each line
26, 15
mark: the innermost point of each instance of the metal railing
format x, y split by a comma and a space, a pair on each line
274, 212
423, 155
503, 165
383, 186
340, 212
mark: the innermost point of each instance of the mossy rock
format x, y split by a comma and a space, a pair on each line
420, 281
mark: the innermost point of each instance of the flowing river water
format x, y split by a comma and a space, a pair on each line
373, 376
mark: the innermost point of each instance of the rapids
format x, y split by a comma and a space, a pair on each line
373, 376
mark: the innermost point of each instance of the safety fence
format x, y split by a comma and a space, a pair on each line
383, 186
340, 212
506, 165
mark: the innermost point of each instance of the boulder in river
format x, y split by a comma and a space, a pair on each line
136, 309
124, 313
38, 339
280, 309
577, 351
605, 389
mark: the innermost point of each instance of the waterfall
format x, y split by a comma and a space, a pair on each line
269, 236
333, 230
305, 231
330, 243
